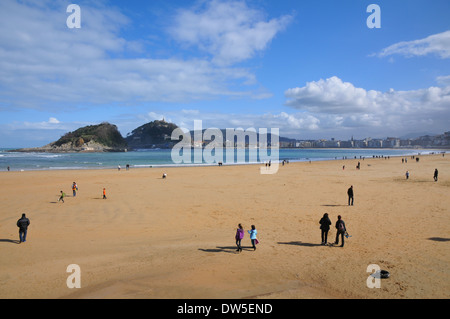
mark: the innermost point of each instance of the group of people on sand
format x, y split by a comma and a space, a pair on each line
74, 192
240, 235
341, 230
325, 222
435, 175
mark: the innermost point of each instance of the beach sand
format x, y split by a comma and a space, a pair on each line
174, 238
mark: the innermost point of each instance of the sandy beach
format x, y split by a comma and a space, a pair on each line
174, 237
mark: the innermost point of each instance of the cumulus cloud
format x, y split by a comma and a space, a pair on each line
53, 120
330, 96
437, 44
340, 105
230, 31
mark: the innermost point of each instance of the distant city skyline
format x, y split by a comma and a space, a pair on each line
313, 69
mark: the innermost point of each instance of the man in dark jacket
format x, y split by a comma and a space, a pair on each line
350, 195
23, 224
325, 223
340, 227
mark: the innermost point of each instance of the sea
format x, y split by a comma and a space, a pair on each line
153, 158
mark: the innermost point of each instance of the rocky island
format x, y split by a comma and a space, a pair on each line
104, 137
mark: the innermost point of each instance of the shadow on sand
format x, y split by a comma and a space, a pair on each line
228, 249
439, 239
9, 241
333, 205
299, 243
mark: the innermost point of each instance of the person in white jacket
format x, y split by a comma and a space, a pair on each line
253, 238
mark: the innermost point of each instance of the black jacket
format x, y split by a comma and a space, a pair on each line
325, 223
350, 192
340, 221
23, 223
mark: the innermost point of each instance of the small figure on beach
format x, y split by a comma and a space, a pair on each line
435, 176
104, 193
341, 230
118, 167
239, 236
164, 176
128, 167
325, 223
23, 224
8, 168
350, 195
74, 189
253, 238
61, 197
407, 174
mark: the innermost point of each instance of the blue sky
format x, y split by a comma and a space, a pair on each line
313, 69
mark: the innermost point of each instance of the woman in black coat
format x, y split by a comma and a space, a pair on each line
325, 223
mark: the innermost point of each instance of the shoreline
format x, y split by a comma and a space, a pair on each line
421, 152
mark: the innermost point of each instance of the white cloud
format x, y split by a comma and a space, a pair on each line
443, 80
53, 120
230, 31
438, 44
330, 96
51, 124
45, 65
340, 105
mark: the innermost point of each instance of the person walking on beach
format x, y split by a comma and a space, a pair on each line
74, 189
325, 223
435, 176
407, 174
61, 198
23, 224
239, 236
350, 195
340, 227
104, 193
253, 239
